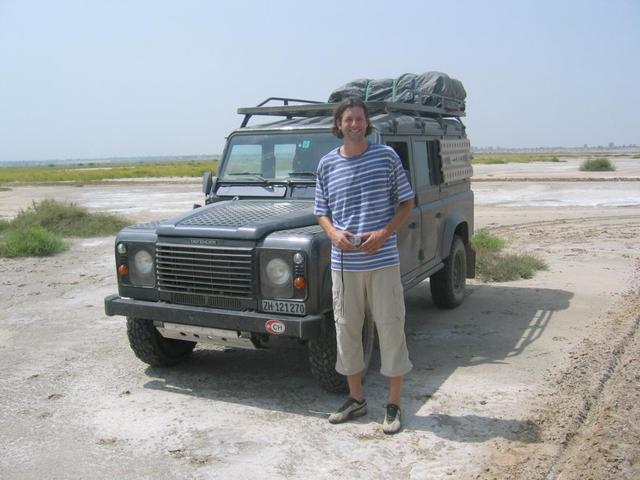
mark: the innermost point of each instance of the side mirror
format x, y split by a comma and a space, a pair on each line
207, 182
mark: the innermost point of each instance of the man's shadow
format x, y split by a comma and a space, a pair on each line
493, 325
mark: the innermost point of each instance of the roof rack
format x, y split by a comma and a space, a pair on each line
312, 108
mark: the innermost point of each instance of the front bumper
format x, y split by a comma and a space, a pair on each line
307, 327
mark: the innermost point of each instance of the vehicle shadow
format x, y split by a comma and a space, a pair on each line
494, 324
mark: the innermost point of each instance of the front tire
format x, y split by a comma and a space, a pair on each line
323, 352
152, 348
448, 285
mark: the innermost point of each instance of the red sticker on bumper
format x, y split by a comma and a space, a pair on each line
275, 326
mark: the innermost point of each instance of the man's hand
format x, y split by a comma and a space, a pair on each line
374, 240
340, 239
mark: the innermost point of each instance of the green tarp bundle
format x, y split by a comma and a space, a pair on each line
435, 89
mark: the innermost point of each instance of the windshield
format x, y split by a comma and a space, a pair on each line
276, 156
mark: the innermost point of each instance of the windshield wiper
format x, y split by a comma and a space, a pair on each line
249, 174
303, 174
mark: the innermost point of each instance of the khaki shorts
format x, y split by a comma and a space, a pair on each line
380, 293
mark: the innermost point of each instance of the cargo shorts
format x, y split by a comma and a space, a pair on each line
379, 293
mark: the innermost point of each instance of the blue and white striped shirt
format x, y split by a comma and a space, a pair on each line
361, 194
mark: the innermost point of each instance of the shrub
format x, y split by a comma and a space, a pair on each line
599, 164
31, 241
483, 241
493, 266
68, 219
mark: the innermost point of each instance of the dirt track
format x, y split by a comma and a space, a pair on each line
530, 379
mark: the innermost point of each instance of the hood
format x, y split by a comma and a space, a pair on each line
240, 219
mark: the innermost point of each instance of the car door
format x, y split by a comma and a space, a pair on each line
409, 234
428, 201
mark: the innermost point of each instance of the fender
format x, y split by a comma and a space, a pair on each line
456, 223
453, 222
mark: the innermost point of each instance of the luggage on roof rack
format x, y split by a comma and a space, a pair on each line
432, 89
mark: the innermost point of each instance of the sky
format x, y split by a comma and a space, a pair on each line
116, 78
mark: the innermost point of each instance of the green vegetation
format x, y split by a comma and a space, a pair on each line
31, 242
483, 241
494, 266
493, 158
83, 173
600, 164
38, 230
68, 219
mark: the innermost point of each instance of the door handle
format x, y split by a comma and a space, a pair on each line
439, 214
413, 225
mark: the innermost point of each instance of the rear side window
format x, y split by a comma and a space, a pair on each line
421, 163
435, 174
402, 149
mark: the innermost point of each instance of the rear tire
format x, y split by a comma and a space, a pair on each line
323, 352
448, 285
152, 348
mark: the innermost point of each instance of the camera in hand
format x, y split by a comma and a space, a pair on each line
355, 241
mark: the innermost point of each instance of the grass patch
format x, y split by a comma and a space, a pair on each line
68, 219
494, 266
31, 241
38, 230
599, 164
494, 158
83, 173
483, 241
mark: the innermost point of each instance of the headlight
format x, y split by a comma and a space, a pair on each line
278, 272
143, 262
141, 265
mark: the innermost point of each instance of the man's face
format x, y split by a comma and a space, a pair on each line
353, 124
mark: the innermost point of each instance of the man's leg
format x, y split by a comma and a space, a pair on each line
388, 311
355, 386
349, 316
395, 387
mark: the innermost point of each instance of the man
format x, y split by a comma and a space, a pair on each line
362, 198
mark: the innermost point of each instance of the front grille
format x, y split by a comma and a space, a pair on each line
206, 301
197, 270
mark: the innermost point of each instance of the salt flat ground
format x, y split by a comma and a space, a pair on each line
526, 379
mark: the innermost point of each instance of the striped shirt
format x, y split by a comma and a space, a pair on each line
361, 194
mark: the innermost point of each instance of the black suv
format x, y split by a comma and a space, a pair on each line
252, 263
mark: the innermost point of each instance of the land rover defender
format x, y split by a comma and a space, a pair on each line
253, 263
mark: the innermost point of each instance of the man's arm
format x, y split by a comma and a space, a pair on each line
337, 237
374, 240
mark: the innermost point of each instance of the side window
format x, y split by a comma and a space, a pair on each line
435, 175
420, 163
402, 149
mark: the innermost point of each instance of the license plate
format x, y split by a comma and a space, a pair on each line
278, 306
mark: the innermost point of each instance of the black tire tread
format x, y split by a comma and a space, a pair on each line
441, 283
152, 348
322, 360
